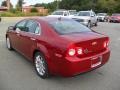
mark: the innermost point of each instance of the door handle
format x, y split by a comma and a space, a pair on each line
32, 39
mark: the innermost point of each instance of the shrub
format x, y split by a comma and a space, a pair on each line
33, 10
7, 14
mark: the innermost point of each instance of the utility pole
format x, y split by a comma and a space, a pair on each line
8, 4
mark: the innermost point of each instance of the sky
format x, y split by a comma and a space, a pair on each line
29, 2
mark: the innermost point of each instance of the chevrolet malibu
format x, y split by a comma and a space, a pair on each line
58, 46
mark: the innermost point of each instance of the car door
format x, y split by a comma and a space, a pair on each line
15, 34
93, 18
65, 14
29, 38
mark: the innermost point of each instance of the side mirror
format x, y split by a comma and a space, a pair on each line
92, 15
11, 28
65, 14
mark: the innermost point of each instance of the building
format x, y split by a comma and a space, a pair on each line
2, 9
41, 10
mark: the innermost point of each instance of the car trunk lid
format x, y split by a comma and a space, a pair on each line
92, 43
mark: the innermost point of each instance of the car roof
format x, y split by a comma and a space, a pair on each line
50, 19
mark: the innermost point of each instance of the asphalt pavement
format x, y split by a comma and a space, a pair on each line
16, 73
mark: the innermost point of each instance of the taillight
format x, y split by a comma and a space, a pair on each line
106, 44
74, 51
79, 51
71, 52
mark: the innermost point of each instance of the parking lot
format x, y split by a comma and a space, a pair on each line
16, 73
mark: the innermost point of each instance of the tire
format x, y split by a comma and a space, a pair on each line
96, 24
8, 43
41, 66
89, 25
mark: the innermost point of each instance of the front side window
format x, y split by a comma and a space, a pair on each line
65, 14
21, 25
68, 27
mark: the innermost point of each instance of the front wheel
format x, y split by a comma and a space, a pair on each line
41, 65
96, 24
89, 24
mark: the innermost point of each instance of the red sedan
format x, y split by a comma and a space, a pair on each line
58, 46
115, 18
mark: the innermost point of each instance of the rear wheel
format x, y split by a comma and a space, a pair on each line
41, 65
8, 43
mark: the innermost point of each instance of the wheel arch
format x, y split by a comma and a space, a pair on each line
43, 51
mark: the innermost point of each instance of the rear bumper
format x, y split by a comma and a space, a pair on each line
116, 20
74, 66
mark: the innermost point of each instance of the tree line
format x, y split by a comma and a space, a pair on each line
108, 6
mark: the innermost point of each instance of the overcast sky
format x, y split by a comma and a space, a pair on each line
29, 2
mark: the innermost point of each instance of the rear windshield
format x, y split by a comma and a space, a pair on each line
84, 14
68, 27
101, 14
57, 13
73, 12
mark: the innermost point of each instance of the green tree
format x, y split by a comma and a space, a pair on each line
4, 3
19, 5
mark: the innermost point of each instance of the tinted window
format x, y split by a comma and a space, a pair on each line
21, 25
33, 26
68, 27
84, 14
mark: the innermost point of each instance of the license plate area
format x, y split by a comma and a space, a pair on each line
96, 61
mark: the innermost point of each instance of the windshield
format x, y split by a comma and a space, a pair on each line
101, 14
84, 14
57, 13
68, 27
73, 12
116, 15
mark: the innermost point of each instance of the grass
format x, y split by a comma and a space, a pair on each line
18, 14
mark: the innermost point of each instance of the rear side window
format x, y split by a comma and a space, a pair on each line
33, 27
68, 27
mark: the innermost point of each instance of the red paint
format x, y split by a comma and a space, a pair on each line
89, 47
115, 18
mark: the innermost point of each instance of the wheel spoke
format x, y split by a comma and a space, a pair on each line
40, 67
